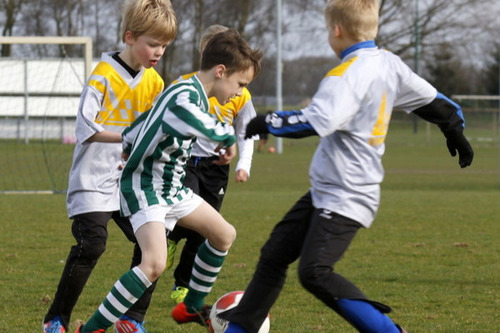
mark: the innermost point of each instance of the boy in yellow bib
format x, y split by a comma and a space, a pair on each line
122, 86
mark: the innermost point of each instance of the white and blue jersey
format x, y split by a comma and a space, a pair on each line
351, 112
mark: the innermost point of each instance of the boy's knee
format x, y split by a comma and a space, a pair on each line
230, 236
311, 278
223, 240
92, 250
306, 277
158, 270
155, 269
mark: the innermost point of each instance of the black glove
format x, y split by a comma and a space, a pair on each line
256, 126
456, 142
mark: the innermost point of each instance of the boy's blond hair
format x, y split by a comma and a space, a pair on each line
155, 18
231, 50
209, 33
359, 18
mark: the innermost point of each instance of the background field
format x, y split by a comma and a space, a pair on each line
432, 254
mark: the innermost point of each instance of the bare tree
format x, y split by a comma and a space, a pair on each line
105, 32
424, 25
248, 17
11, 9
414, 35
491, 73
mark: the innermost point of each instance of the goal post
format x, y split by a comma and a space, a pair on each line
58, 40
487, 105
42, 80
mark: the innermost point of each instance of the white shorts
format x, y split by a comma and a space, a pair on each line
169, 214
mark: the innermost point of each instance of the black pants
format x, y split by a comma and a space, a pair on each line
319, 238
90, 231
209, 181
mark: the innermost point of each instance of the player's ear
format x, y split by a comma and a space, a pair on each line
337, 30
219, 71
129, 37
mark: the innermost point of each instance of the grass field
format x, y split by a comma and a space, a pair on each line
432, 253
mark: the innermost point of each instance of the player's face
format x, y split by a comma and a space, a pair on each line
229, 86
146, 51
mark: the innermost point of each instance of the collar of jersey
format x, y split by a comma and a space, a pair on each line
360, 45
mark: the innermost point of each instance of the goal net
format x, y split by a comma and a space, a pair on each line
42, 78
482, 113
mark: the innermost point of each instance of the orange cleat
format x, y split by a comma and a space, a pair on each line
182, 316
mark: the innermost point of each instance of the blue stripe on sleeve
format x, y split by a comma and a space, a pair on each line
455, 105
290, 124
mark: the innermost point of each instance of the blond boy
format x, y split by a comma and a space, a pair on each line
122, 86
351, 113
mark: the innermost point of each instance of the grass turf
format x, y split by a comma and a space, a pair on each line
432, 253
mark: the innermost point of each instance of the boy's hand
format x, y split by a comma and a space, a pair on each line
457, 142
225, 157
125, 156
256, 126
241, 176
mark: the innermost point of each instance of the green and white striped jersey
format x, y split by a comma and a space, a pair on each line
161, 143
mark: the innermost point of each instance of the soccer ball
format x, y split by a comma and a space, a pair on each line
227, 302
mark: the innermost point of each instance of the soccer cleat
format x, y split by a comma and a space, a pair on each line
178, 294
79, 330
234, 328
182, 316
171, 247
128, 325
54, 326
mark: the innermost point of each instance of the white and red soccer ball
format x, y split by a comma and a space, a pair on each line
227, 302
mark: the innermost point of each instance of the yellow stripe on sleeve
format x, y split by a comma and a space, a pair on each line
340, 69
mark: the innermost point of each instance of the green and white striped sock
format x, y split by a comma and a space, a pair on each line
122, 296
207, 265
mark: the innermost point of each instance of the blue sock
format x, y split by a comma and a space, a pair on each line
365, 317
234, 328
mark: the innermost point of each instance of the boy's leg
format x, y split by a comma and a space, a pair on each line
182, 272
90, 232
206, 268
138, 311
122, 296
282, 248
175, 236
208, 263
209, 181
130, 287
328, 238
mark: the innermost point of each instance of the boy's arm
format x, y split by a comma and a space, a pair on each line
245, 146
186, 118
449, 118
106, 136
288, 124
